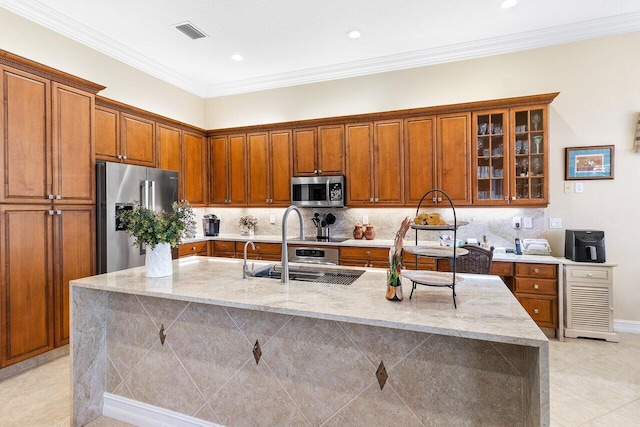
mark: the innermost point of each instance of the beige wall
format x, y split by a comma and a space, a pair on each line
599, 102
124, 83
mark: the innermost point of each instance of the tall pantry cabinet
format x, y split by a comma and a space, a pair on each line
47, 203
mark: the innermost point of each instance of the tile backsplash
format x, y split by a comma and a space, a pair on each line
495, 223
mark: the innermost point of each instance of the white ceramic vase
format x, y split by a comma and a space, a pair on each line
158, 261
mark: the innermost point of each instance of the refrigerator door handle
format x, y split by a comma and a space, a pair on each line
144, 196
153, 195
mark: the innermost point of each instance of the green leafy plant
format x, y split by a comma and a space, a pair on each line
152, 228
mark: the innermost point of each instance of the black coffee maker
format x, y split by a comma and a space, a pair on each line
584, 245
211, 225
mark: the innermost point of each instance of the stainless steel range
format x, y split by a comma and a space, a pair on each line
316, 254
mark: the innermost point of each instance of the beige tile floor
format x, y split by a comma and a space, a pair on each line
593, 383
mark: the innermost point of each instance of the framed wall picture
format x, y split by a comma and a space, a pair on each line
594, 162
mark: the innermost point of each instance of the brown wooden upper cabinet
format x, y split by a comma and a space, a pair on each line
47, 137
169, 148
437, 156
123, 137
227, 170
193, 173
375, 164
319, 151
269, 168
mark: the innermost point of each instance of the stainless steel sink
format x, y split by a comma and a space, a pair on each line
311, 273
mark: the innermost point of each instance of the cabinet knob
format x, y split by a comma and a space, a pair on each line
315, 171
124, 157
535, 286
434, 199
58, 212
319, 170
193, 248
371, 199
119, 156
376, 200
536, 311
58, 196
50, 212
589, 274
535, 270
368, 253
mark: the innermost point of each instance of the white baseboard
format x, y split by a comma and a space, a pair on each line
630, 326
145, 415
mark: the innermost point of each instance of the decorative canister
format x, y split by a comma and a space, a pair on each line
358, 231
370, 232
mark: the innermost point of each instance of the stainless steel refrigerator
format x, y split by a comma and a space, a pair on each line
119, 187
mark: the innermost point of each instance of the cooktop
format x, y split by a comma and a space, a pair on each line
330, 240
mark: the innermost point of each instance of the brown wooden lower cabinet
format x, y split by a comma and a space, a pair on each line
193, 248
364, 256
262, 251
42, 250
222, 248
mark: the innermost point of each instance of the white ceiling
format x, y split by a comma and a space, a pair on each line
289, 42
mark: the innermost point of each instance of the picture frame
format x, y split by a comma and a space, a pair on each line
594, 162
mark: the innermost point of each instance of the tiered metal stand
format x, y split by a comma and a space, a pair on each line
434, 278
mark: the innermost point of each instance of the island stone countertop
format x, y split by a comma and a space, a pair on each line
487, 310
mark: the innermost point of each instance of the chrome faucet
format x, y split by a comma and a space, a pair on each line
244, 264
285, 253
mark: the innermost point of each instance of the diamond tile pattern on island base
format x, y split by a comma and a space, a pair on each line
318, 365
385, 404
160, 371
207, 414
254, 397
162, 311
383, 344
258, 325
449, 380
218, 350
130, 334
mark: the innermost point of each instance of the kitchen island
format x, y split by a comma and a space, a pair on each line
205, 345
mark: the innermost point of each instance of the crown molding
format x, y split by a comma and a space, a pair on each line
602, 27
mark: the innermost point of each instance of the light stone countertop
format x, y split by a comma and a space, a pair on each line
486, 308
497, 256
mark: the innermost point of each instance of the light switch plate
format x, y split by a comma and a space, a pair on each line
579, 187
527, 222
567, 187
272, 219
555, 222
365, 219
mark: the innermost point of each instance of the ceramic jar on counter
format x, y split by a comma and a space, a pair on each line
358, 231
370, 232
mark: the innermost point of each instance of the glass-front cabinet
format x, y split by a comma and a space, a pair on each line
510, 156
491, 164
529, 166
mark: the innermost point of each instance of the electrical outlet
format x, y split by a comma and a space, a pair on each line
527, 222
579, 187
365, 219
272, 219
567, 187
517, 222
555, 222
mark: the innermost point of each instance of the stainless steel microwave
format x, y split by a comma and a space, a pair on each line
318, 191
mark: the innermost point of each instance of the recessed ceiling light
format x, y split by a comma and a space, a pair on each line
354, 34
236, 57
506, 4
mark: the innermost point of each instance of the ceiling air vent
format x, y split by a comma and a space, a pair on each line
190, 30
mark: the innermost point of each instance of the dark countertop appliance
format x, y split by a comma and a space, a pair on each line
211, 225
584, 245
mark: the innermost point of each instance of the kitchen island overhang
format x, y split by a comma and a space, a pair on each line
320, 347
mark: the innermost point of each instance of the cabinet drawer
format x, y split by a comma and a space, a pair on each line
541, 308
536, 270
192, 249
409, 262
263, 248
222, 246
588, 274
365, 253
501, 268
536, 286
